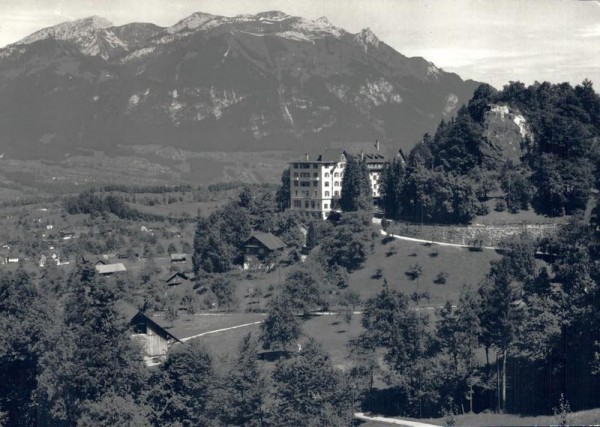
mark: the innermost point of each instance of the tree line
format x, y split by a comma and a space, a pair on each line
523, 338
448, 177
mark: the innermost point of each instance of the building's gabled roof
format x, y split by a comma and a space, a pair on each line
331, 155
268, 240
370, 151
178, 256
177, 277
127, 310
110, 268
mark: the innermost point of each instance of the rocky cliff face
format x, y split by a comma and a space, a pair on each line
505, 131
244, 83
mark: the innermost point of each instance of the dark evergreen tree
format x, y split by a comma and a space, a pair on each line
90, 354
180, 392
391, 324
309, 391
390, 183
282, 198
245, 388
503, 308
356, 186
24, 318
458, 330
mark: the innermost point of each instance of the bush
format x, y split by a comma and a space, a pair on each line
387, 239
500, 206
441, 278
482, 209
393, 250
378, 274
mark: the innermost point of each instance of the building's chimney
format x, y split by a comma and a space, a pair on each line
362, 155
377, 144
306, 154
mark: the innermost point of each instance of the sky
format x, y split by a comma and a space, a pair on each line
494, 41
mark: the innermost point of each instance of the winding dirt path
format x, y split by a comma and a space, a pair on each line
396, 421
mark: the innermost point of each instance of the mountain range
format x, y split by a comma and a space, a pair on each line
249, 83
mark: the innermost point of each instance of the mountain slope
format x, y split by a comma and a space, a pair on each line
246, 83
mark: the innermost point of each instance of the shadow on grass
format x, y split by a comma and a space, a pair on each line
386, 240
273, 355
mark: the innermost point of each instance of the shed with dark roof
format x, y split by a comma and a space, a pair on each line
260, 247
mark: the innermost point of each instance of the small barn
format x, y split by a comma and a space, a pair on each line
109, 269
177, 279
259, 248
149, 331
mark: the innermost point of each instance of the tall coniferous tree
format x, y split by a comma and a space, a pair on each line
282, 197
390, 183
90, 354
245, 388
309, 390
356, 186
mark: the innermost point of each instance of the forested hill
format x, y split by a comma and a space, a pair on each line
533, 147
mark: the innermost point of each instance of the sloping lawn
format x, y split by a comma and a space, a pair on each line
396, 257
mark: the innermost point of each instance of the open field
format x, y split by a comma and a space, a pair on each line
461, 265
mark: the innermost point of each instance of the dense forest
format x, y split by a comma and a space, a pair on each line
449, 175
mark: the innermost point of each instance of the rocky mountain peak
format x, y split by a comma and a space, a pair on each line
367, 38
193, 22
81, 29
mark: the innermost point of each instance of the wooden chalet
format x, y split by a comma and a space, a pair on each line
149, 332
155, 333
259, 247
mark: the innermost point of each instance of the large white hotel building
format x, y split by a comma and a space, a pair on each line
316, 182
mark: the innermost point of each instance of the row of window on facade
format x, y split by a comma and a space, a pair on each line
315, 183
305, 165
307, 204
314, 165
316, 174
306, 193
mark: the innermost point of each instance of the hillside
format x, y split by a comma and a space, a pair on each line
212, 83
521, 148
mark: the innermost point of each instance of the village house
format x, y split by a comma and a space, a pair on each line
315, 182
259, 248
178, 279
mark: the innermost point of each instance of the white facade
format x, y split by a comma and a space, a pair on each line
315, 184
